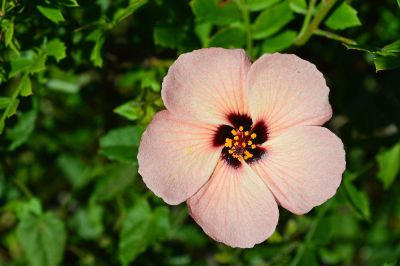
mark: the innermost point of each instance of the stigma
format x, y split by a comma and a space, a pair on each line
241, 144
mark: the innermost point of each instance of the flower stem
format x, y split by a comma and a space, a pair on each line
247, 25
307, 19
334, 36
306, 34
3, 7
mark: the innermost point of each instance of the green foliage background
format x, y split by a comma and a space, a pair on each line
80, 80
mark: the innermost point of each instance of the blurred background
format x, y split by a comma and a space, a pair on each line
80, 80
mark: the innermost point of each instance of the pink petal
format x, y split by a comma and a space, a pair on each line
285, 90
176, 157
302, 167
235, 207
207, 84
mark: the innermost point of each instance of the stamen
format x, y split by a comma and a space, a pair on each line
236, 138
236, 143
246, 133
228, 142
234, 132
253, 135
241, 128
243, 144
249, 142
253, 146
231, 151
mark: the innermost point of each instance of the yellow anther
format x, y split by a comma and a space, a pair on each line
233, 132
240, 158
253, 146
246, 133
243, 144
236, 143
233, 148
230, 151
240, 128
253, 135
235, 155
236, 138
249, 142
228, 142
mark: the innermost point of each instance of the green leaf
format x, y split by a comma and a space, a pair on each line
115, 179
52, 13
4, 102
22, 130
392, 48
131, 110
398, 2
343, 17
140, 229
203, 31
125, 12
216, 11
386, 62
42, 238
13, 108
68, 3
8, 30
257, 5
298, 6
63, 86
170, 37
121, 144
25, 86
272, 20
74, 170
88, 221
279, 42
96, 55
357, 198
388, 165
229, 38
56, 49
23, 209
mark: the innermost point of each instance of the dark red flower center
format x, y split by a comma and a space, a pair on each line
242, 140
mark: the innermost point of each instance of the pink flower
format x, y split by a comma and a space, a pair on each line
237, 139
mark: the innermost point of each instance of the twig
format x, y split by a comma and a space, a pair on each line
334, 36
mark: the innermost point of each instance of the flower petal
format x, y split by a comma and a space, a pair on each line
207, 84
235, 207
176, 157
285, 90
302, 167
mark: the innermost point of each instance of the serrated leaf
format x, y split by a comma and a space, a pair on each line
121, 144
4, 102
388, 165
279, 42
125, 12
229, 38
357, 199
25, 86
52, 13
141, 228
42, 238
19, 134
131, 110
257, 5
216, 11
56, 49
386, 62
343, 17
272, 20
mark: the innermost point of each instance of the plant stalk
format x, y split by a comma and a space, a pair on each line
306, 34
334, 36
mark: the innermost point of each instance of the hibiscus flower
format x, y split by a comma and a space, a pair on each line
238, 139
